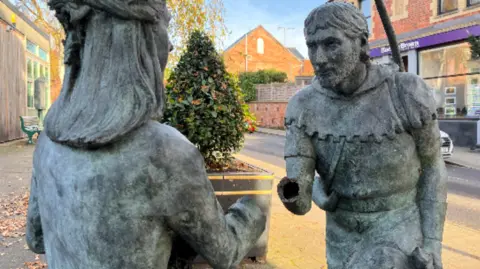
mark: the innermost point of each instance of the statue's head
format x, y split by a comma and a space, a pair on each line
337, 39
115, 56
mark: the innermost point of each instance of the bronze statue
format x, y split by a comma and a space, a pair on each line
371, 134
110, 187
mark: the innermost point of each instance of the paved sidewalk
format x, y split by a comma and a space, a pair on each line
295, 241
464, 157
15, 173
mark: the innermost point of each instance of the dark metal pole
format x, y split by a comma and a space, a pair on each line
392, 39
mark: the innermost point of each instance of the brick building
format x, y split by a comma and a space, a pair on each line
432, 37
258, 49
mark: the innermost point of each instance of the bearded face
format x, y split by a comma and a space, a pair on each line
333, 55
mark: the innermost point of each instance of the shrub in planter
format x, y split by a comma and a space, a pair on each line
205, 103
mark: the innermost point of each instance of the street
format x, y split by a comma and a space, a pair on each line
463, 214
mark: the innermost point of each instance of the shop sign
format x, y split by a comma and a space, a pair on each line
432, 40
404, 46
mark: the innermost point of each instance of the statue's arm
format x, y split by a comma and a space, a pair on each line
34, 233
421, 121
295, 190
222, 239
432, 188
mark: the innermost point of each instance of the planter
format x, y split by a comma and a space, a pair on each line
231, 186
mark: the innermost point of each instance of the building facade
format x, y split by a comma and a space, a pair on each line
432, 37
24, 57
258, 50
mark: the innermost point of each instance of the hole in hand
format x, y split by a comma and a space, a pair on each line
290, 190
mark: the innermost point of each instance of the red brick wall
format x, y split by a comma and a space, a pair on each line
275, 55
421, 14
269, 114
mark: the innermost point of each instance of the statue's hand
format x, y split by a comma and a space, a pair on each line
320, 197
434, 248
428, 257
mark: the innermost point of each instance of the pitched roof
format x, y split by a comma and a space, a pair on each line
297, 53
293, 51
240, 39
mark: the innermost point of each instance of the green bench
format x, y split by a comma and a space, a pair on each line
30, 125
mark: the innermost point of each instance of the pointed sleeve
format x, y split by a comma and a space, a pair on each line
418, 101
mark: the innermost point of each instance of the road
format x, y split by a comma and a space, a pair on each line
462, 228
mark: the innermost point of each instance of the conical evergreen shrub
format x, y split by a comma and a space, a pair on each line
204, 102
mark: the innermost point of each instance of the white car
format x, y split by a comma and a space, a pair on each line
447, 145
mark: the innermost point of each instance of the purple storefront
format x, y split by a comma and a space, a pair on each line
442, 58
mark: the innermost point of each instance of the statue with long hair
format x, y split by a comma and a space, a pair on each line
111, 188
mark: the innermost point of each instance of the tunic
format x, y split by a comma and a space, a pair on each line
377, 169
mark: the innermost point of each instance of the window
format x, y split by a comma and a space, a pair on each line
446, 71
29, 83
260, 46
473, 2
366, 8
398, 7
32, 47
445, 6
35, 70
37, 66
43, 54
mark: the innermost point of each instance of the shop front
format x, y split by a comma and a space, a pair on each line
443, 61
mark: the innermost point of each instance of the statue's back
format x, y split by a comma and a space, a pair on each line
99, 208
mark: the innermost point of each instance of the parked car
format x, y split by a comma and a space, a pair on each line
447, 145
250, 125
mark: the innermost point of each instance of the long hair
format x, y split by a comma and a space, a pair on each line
113, 81
342, 16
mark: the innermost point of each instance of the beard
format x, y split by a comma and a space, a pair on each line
340, 72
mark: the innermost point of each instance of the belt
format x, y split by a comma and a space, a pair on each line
377, 204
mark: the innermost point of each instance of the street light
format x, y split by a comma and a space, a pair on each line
13, 24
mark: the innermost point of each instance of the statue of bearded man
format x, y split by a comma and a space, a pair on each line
371, 134
110, 187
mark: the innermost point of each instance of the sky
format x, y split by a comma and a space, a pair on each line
242, 16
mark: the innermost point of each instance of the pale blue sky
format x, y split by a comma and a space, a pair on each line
244, 15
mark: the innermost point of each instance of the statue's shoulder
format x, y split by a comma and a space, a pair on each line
416, 97
302, 99
170, 150
165, 136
